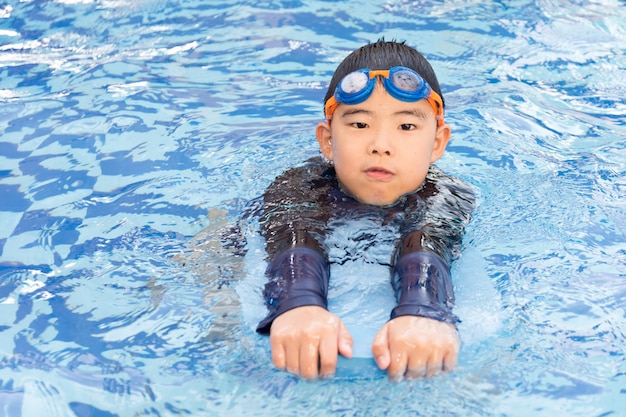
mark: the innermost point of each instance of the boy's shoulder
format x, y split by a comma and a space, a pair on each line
441, 179
310, 171
316, 166
311, 177
445, 190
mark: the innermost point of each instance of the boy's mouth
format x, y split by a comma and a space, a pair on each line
378, 173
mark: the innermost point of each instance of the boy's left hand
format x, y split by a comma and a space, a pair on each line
415, 347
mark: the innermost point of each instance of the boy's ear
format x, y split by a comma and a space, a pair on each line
324, 138
442, 136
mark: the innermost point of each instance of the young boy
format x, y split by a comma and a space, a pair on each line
384, 128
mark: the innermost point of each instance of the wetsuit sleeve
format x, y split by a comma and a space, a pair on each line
298, 277
421, 281
431, 241
293, 224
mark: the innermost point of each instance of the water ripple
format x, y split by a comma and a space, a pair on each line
127, 127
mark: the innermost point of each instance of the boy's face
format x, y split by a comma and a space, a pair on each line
382, 148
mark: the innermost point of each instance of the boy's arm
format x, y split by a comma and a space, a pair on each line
421, 338
305, 338
293, 221
421, 272
422, 284
297, 277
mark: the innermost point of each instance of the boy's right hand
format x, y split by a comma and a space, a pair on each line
305, 341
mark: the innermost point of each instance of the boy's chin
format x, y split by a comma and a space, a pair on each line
379, 200
374, 197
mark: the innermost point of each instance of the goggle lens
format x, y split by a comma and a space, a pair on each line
406, 81
354, 82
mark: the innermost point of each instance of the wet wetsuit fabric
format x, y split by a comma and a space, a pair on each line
297, 208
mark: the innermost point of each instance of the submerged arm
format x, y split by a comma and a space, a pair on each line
421, 273
293, 223
305, 337
421, 339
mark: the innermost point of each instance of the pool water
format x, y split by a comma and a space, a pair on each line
135, 134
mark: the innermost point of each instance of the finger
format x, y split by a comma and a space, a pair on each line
292, 358
380, 348
416, 366
434, 366
328, 356
451, 355
309, 360
450, 359
397, 365
345, 341
278, 354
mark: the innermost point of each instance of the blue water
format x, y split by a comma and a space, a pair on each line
134, 132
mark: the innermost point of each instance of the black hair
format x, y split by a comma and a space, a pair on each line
383, 55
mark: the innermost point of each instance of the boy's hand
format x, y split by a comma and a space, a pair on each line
415, 347
305, 341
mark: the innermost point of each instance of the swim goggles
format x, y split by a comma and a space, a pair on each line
401, 83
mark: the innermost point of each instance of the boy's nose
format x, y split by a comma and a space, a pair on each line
380, 146
375, 151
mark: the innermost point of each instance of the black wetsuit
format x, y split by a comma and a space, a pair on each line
297, 208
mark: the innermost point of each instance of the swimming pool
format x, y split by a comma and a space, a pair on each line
134, 131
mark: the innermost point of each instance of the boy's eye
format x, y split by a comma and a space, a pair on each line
407, 126
359, 125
